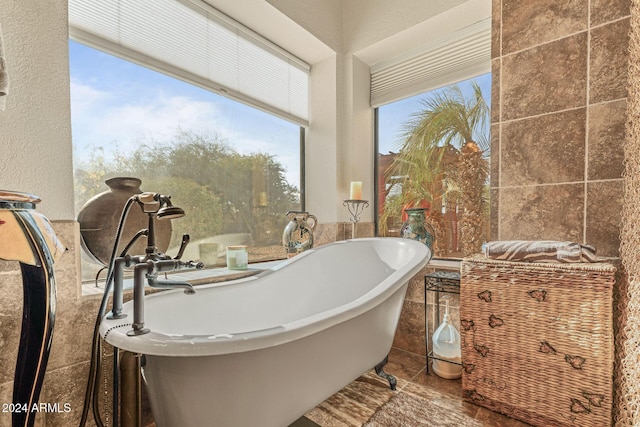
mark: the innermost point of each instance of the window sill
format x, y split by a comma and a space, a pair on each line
195, 277
215, 275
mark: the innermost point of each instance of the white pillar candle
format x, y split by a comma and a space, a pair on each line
356, 190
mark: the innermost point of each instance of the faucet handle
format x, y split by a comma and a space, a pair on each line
183, 246
192, 264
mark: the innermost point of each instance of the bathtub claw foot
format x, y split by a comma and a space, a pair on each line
381, 373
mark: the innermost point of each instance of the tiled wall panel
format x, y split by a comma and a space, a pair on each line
559, 104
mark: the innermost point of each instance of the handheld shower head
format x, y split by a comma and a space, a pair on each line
170, 212
159, 204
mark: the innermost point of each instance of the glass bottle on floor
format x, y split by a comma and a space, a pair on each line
446, 348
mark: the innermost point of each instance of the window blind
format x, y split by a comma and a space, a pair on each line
456, 57
190, 40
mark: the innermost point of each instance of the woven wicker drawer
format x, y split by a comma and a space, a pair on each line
537, 340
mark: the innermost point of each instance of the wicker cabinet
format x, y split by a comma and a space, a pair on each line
537, 340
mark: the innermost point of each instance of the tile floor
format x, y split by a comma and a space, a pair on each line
410, 370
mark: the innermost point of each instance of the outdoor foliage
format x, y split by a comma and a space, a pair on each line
221, 190
443, 163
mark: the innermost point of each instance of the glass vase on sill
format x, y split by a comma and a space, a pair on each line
417, 228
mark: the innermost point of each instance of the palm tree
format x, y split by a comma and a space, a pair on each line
443, 161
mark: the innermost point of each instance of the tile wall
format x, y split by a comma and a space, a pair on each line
558, 116
68, 366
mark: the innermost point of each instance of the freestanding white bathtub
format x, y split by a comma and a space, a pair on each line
264, 350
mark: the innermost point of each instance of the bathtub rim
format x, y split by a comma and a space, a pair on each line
162, 344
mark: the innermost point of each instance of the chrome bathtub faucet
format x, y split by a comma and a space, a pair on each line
147, 267
145, 270
149, 270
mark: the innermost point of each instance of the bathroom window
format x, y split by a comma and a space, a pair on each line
428, 158
234, 169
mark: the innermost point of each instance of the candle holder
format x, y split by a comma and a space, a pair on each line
355, 207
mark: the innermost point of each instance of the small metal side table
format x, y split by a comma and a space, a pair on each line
447, 282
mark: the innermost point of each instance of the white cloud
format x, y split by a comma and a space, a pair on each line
120, 121
101, 119
84, 97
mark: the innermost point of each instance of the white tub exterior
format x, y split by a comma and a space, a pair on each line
266, 349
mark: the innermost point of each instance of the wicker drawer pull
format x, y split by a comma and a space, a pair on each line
467, 325
482, 349
547, 348
485, 296
578, 407
538, 294
576, 362
495, 321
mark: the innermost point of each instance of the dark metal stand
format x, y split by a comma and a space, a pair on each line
381, 373
355, 208
441, 281
38, 319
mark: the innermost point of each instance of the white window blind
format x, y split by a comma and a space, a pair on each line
459, 56
190, 40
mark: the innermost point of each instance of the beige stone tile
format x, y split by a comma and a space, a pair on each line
543, 150
603, 11
530, 23
362, 229
415, 289
325, 233
495, 91
430, 381
609, 60
410, 335
494, 204
10, 320
604, 216
6, 393
494, 166
353, 405
496, 47
404, 365
68, 385
550, 212
61, 387
606, 140
534, 81
443, 393
66, 268
73, 332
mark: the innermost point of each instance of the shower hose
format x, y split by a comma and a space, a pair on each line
91, 397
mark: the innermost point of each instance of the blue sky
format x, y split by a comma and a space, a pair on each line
392, 117
118, 105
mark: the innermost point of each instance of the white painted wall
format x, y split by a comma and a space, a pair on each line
35, 128
321, 167
356, 152
369, 21
340, 138
323, 19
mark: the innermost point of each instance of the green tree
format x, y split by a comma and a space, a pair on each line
443, 161
203, 210
252, 189
221, 190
